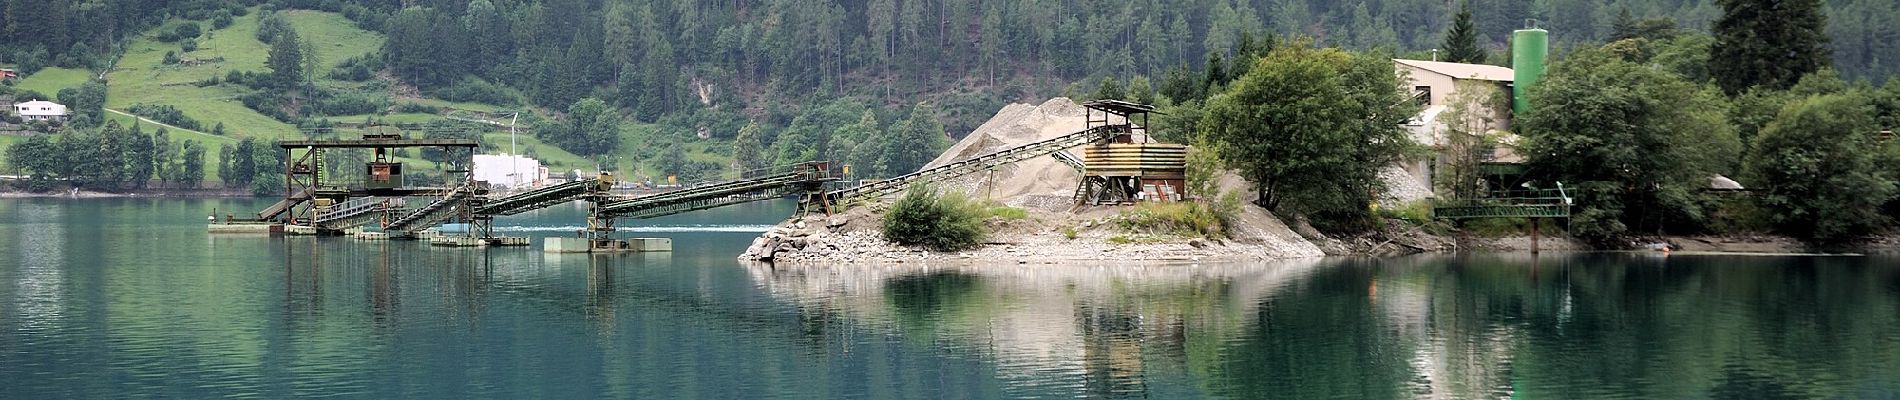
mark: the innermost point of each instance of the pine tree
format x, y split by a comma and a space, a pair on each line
1216, 73
1110, 89
1461, 42
1624, 27
1768, 43
286, 59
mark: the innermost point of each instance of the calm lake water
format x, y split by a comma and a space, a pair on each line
114, 298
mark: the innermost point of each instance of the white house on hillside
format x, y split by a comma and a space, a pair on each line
41, 110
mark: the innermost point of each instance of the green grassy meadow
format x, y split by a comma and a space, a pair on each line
50, 80
140, 76
143, 78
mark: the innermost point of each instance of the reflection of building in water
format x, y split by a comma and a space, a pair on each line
40, 285
1086, 328
1457, 351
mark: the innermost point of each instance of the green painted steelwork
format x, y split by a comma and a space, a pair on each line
1529, 48
1534, 204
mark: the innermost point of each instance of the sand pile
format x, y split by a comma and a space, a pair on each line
1040, 182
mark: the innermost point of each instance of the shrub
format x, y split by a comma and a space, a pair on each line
1179, 218
171, 57
1008, 213
1415, 212
188, 30
357, 69
189, 45
267, 104
350, 104
417, 108
221, 19
941, 222
477, 91
269, 25
167, 114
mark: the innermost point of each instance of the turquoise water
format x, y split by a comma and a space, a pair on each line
114, 298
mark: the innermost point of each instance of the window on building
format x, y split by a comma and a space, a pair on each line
1423, 94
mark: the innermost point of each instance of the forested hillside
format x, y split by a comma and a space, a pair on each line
633, 82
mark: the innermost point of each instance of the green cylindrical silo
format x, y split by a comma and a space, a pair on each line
1528, 48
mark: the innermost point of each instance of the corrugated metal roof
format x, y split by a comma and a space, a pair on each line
1463, 71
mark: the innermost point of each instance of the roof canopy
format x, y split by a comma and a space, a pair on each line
1463, 71
1119, 107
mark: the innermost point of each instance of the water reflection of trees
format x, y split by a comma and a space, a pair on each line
1646, 327
1433, 327
1103, 331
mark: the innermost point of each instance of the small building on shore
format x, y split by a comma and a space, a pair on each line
510, 171
41, 110
1465, 119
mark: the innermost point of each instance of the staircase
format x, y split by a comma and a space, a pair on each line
286, 204
355, 213
437, 211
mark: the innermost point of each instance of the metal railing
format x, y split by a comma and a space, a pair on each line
1551, 203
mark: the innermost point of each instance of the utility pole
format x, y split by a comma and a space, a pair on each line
514, 164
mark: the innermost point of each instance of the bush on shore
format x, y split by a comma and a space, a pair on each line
938, 221
1207, 219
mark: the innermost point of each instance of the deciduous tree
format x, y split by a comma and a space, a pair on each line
1815, 165
1634, 144
1311, 128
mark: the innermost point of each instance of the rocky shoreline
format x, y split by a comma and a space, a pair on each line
788, 243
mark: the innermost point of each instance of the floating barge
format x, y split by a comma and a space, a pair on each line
586, 245
471, 241
262, 228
